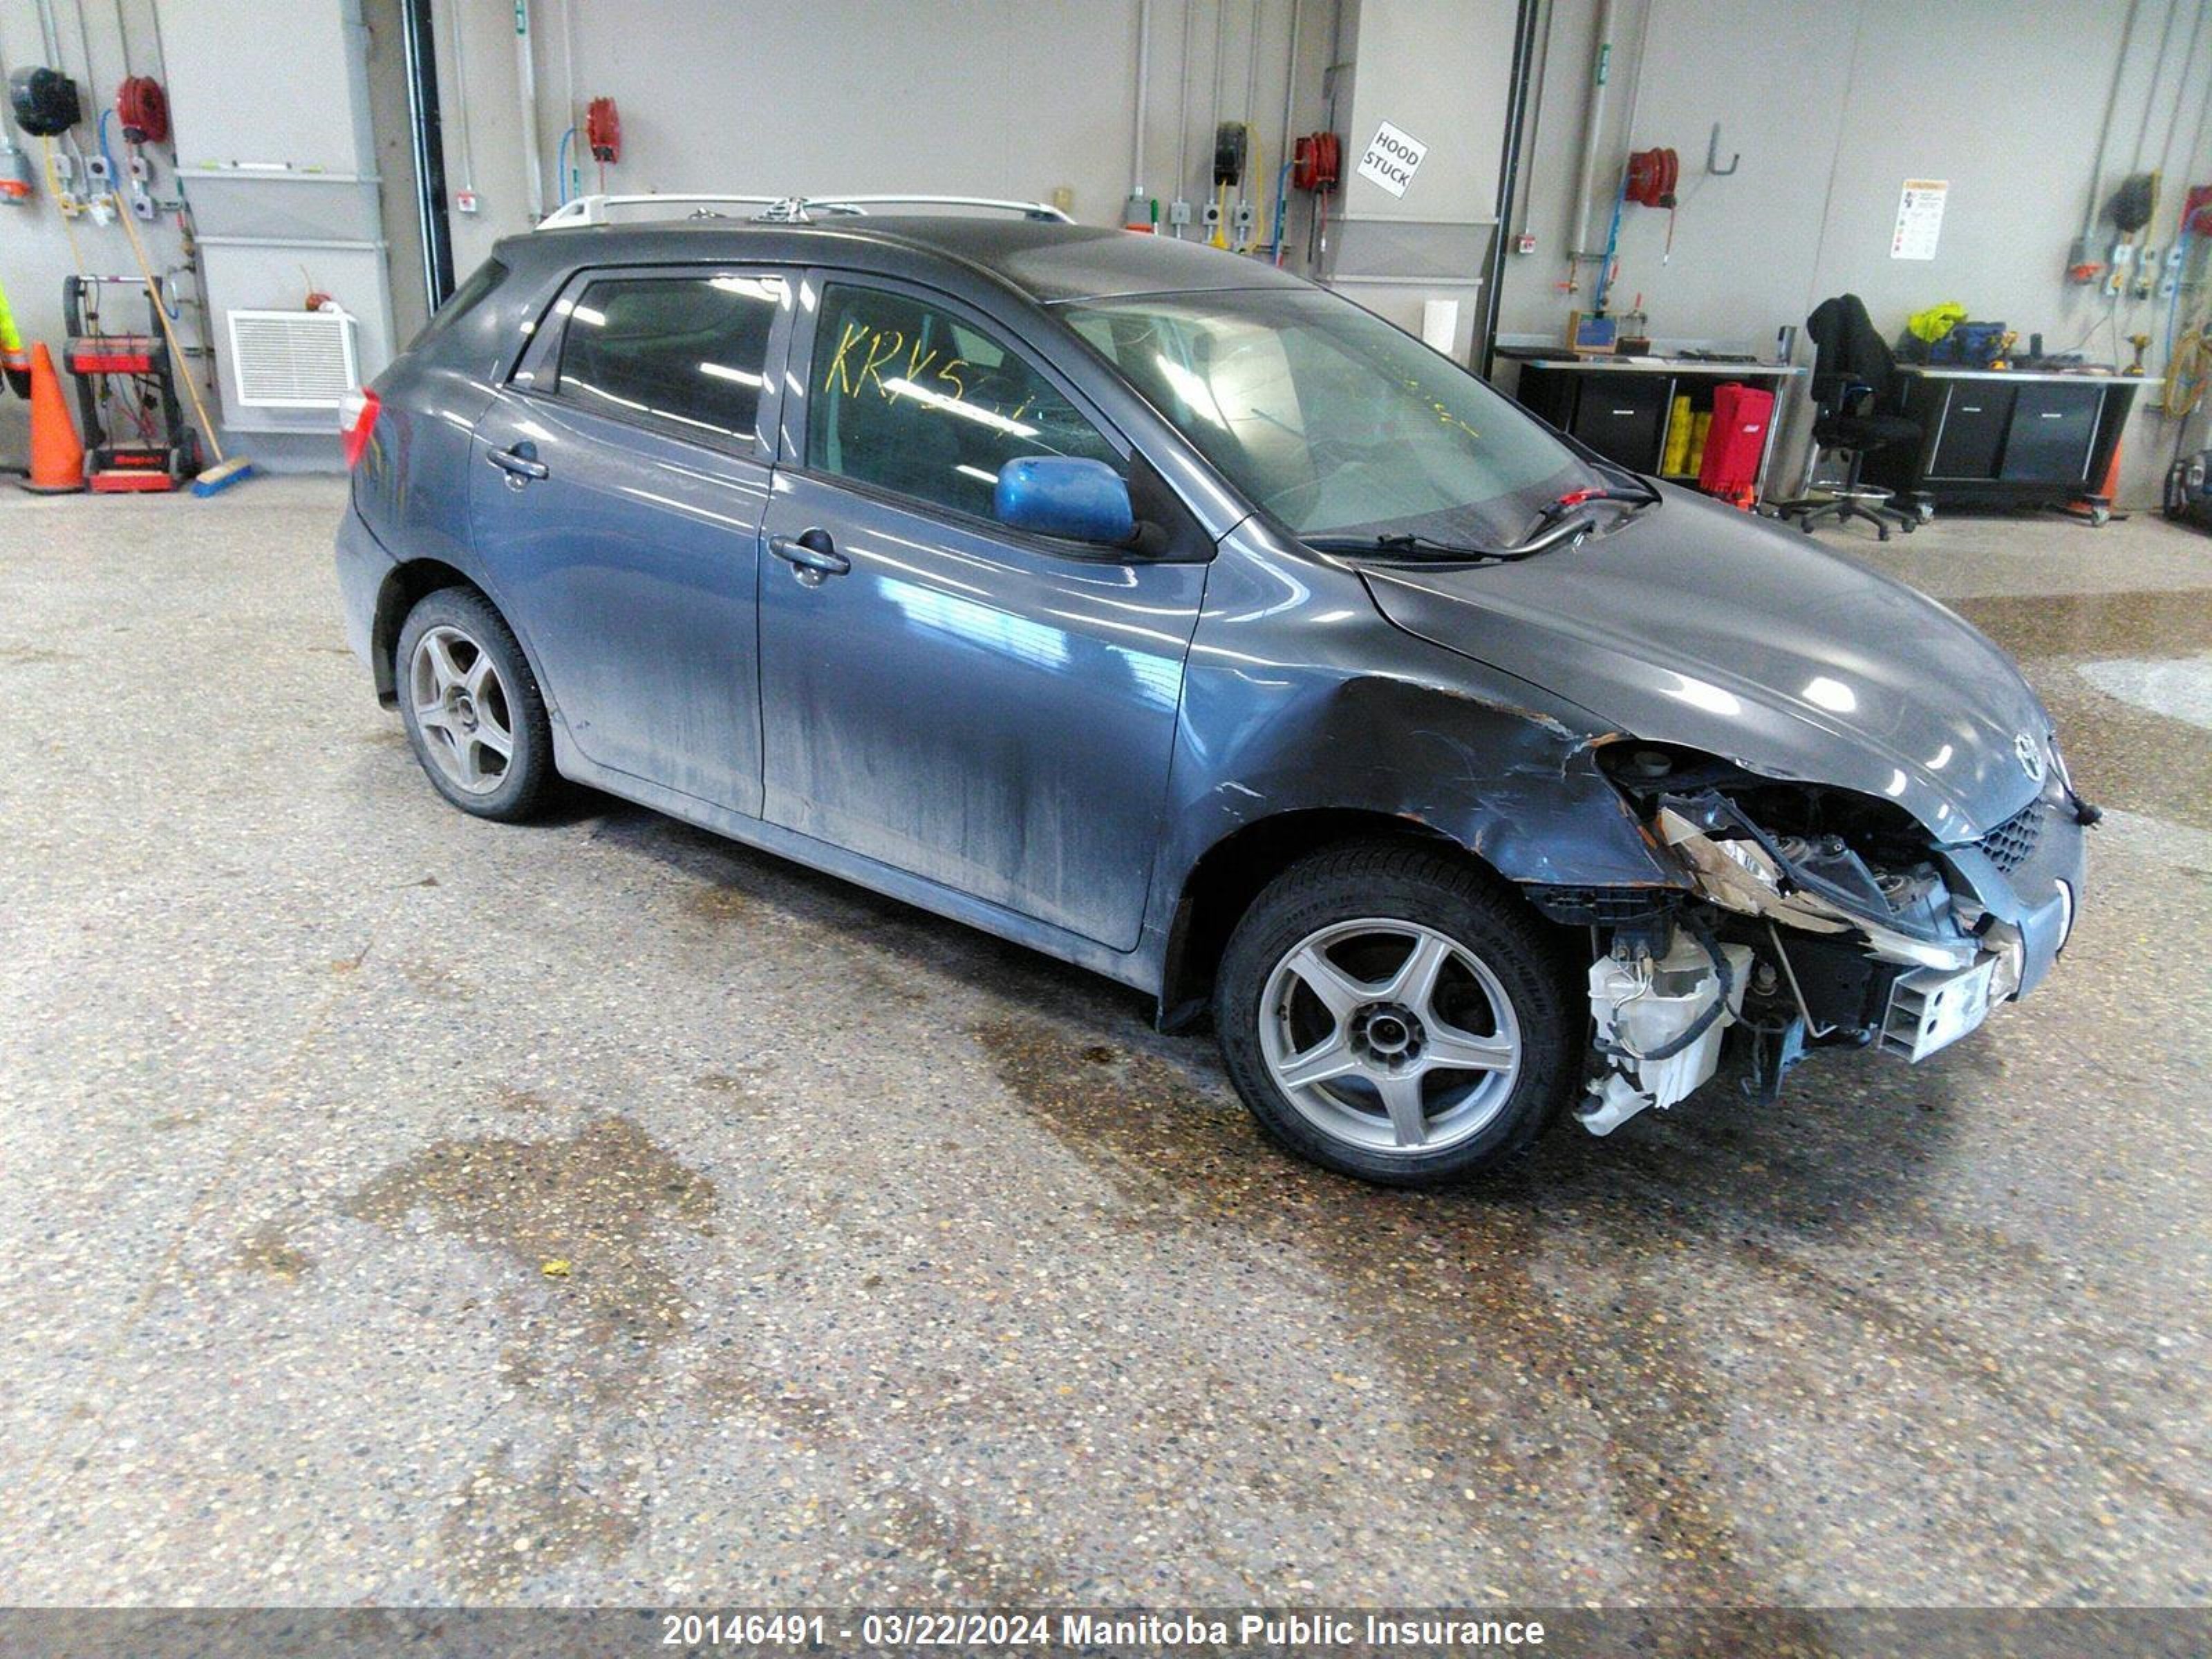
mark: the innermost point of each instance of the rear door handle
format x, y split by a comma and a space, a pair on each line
520, 463
811, 554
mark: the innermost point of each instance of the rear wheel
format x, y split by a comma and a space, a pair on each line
472, 706
1390, 1013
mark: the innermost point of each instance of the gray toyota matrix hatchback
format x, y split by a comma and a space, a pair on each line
1153, 608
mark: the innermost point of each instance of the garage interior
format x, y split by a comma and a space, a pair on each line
402, 1210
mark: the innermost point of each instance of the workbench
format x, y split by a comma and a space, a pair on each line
1620, 406
2002, 437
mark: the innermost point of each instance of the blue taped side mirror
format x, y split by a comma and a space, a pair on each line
1083, 500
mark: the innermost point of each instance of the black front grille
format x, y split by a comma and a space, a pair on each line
2010, 843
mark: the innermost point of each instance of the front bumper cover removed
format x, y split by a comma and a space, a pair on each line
1965, 936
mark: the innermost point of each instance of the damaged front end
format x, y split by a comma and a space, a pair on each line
1806, 916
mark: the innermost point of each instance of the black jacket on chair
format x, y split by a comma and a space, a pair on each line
1854, 380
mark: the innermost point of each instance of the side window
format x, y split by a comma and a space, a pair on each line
686, 351
909, 397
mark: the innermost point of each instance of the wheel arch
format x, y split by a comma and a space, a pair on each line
1221, 884
404, 585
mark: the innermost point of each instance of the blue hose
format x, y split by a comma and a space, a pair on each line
560, 166
114, 174
1612, 246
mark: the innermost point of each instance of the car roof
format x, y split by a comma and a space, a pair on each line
1047, 262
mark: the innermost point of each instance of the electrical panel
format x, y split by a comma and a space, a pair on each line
1231, 141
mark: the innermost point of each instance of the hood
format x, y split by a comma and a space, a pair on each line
1699, 625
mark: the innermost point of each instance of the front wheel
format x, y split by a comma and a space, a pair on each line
1391, 1014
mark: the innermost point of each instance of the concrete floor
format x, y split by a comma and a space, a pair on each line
904, 1265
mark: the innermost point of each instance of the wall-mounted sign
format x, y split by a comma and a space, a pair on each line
1919, 219
1392, 158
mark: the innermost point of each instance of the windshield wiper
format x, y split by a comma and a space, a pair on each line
1544, 537
1399, 543
1554, 524
1640, 495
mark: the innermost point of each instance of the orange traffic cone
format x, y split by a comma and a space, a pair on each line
56, 457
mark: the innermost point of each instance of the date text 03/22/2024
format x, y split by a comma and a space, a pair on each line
1090, 1629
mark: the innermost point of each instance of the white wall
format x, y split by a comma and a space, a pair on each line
34, 250
1832, 107
1830, 103
275, 140
988, 97
1441, 72
250, 81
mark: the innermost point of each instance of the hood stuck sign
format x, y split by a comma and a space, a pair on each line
1392, 158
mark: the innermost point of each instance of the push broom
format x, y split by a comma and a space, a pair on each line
225, 471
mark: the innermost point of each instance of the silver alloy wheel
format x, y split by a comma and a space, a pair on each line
1391, 1035
461, 706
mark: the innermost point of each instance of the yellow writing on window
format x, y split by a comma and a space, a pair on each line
863, 352
1444, 410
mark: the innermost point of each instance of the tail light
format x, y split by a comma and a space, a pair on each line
357, 412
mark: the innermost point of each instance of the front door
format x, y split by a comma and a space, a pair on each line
618, 489
989, 709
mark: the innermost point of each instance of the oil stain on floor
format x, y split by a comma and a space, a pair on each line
1541, 1343
1484, 1356
584, 1221
268, 1249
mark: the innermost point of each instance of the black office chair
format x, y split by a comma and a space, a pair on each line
1853, 384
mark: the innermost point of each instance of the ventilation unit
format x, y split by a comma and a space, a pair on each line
292, 359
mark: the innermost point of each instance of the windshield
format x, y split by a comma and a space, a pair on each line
1341, 426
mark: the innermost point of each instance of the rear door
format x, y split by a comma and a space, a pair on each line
990, 710
618, 484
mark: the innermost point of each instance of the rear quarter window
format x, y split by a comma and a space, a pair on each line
483, 282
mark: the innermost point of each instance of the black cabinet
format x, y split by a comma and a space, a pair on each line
1623, 412
1998, 439
2052, 431
1969, 436
1623, 418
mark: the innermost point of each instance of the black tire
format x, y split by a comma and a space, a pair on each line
526, 777
1434, 891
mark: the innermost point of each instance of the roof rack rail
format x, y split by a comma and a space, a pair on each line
592, 210
1044, 210
785, 209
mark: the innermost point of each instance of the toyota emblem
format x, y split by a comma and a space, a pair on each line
2030, 757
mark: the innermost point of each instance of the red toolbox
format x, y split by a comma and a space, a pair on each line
1742, 415
135, 436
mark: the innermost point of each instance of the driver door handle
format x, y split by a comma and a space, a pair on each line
811, 554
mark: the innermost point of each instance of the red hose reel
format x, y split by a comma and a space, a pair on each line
1316, 161
143, 109
603, 130
1652, 176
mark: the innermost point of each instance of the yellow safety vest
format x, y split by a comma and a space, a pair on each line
14, 358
